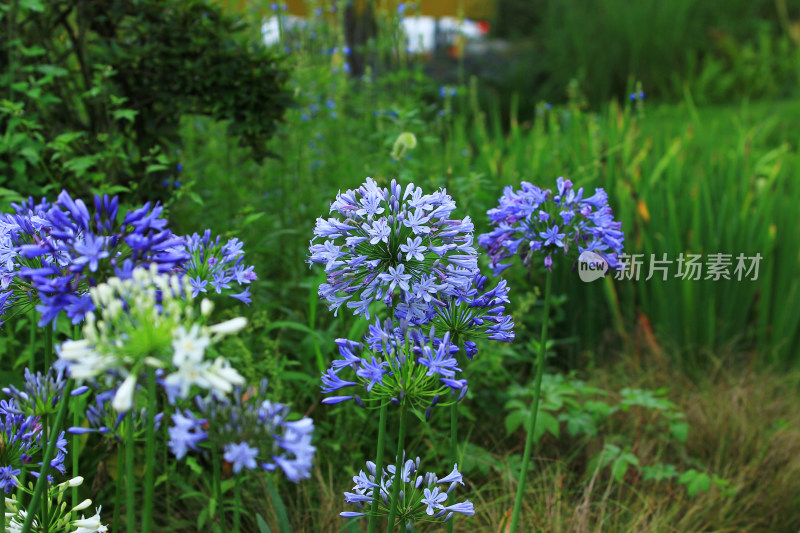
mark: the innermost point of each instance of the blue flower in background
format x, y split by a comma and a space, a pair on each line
241, 456
186, 433
253, 432
537, 221
214, 266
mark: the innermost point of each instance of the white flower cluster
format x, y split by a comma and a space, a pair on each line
150, 321
15, 515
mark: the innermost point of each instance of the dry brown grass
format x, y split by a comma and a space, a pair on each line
744, 427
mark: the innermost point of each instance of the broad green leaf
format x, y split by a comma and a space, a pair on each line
680, 430
514, 420
262, 524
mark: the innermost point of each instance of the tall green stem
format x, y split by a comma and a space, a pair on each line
45, 520
48, 346
215, 464
150, 451
130, 482
373, 519
76, 422
453, 450
41, 483
237, 502
118, 488
398, 467
534, 408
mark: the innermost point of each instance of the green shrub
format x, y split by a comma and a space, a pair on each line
94, 92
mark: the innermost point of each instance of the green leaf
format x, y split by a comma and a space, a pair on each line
680, 431
618, 470
154, 168
202, 517
191, 462
262, 524
52, 70
514, 420
252, 217
659, 472
695, 481
278, 507
545, 422
66, 138
128, 114
33, 5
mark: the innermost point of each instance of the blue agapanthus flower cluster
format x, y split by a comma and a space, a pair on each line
534, 221
466, 316
21, 436
394, 363
424, 496
102, 419
40, 394
394, 245
217, 266
61, 250
252, 432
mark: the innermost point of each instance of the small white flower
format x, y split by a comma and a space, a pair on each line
223, 377
90, 525
189, 345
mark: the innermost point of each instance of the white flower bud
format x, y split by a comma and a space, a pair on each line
123, 399
229, 326
83, 505
206, 306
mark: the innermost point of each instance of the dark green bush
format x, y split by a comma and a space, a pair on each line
94, 91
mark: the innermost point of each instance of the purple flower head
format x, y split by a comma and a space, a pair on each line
426, 495
62, 249
534, 221
40, 394
394, 362
380, 242
186, 433
471, 314
241, 456
216, 265
21, 436
255, 432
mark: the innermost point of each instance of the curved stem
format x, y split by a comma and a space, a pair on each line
373, 519
41, 483
130, 482
534, 408
150, 451
398, 467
